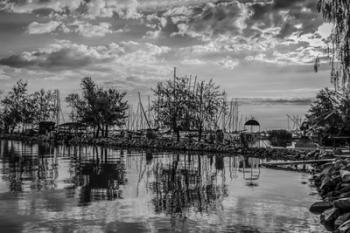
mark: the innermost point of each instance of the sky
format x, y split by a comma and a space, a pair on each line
260, 51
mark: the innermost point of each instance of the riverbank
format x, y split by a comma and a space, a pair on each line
333, 183
168, 144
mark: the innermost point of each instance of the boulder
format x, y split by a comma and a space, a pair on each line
344, 187
344, 228
346, 194
320, 207
343, 203
345, 175
329, 216
341, 219
329, 183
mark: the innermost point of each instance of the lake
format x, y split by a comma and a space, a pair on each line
93, 189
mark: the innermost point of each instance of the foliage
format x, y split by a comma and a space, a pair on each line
14, 106
280, 137
19, 107
182, 106
209, 103
337, 12
329, 114
97, 107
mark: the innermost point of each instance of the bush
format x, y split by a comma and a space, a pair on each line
280, 137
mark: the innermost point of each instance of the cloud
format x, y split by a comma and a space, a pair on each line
139, 59
192, 62
127, 9
89, 30
3, 76
293, 101
42, 28
62, 54
83, 28
229, 63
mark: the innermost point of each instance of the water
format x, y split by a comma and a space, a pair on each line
93, 189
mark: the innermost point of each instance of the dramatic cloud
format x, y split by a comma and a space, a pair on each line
90, 30
252, 48
65, 54
229, 63
41, 28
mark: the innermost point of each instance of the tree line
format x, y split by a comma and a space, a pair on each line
179, 104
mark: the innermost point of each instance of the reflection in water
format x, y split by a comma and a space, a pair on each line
187, 182
85, 189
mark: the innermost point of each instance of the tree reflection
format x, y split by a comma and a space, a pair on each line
99, 175
187, 182
28, 166
95, 173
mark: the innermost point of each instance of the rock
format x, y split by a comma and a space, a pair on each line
329, 183
329, 216
344, 228
341, 219
346, 194
343, 203
345, 175
344, 188
319, 207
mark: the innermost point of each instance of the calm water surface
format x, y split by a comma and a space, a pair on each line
93, 189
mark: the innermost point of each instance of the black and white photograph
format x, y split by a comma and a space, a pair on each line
174, 116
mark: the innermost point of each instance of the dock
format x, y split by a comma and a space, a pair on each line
268, 164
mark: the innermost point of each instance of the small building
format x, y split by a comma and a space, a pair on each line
251, 136
72, 127
46, 127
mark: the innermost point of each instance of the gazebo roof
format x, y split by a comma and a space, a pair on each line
252, 122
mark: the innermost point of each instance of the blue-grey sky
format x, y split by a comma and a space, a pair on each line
261, 49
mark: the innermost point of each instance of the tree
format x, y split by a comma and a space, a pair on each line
182, 106
97, 107
43, 105
21, 107
337, 12
15, 104
210, 102
326, 114
112, 107
173, 104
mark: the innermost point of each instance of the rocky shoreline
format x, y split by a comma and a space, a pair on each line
166, 144
333, 183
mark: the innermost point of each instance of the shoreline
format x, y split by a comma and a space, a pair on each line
332, 181
165, 144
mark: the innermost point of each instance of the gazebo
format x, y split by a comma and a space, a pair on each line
253, 124
252, 128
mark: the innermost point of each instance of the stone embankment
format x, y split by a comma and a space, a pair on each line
333, 183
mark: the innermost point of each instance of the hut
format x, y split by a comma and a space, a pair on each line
46, 127
71, 129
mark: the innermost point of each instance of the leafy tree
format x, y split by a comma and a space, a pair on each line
182, 106
14, 106
97, 107
337, 12
210, 102
173, 104
43, 104
327, 114
21, 107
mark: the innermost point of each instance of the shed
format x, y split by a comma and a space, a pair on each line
46, 127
